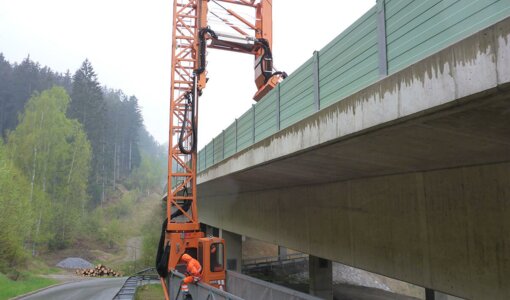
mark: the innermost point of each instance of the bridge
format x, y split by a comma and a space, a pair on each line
388, 150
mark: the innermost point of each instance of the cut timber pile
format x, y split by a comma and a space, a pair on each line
97, 271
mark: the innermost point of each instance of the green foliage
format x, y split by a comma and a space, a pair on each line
151, 231
88, 107
18, 82
65, 162
54, 153
149, 175
15, 213
12, 288
112, 121
149, 292
106, 223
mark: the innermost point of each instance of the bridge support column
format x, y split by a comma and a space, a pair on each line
211, 231
234, 245
282, 252
435, 295
321, 277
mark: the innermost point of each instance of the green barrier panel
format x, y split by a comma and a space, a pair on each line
245, 130
201, 160
230, 140
296, 95
417, 29
209, 155
350, 61
389, 37
218, 148
265, 116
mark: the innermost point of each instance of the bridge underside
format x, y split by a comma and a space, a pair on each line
409, 178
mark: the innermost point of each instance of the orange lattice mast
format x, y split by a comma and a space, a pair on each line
190, 38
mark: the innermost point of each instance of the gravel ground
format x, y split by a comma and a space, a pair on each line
74, 263
349, 275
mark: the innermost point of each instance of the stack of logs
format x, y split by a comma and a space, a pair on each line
97, 271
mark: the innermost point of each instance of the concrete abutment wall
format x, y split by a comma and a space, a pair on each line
448, 230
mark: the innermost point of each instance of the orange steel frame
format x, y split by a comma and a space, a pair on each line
184, 62
182, 166
189, 17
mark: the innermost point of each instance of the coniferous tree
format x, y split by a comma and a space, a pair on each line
17, 83
6, 104
124, 123
88, 107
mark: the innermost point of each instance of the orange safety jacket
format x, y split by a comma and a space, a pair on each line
193, 268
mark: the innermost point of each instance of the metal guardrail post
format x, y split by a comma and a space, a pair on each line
381, 38
235, 137
278, 107
213, 152
253, 121
223, 138
316, 86
198, 161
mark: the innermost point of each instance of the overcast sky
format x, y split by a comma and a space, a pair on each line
129, 45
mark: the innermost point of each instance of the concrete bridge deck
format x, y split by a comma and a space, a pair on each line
409, 178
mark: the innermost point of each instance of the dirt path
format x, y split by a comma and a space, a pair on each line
133, 249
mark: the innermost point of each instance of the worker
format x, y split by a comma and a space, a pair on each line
193, 271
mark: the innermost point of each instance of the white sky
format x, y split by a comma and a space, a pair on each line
129, 45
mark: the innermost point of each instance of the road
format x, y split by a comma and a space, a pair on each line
352, 292
96, 289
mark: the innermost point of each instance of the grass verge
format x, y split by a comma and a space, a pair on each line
149, 292
11, 288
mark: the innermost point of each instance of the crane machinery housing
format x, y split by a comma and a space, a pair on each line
247, 26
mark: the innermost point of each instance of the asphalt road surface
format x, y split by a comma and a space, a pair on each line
96, 289
352, 292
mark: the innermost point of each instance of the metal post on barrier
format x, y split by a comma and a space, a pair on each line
316, 85
381, 38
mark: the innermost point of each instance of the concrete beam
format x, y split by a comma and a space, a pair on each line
426, 116
282, 252
234, 250
447, 230
435, 295
321, 277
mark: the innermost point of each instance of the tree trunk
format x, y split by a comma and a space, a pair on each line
46, 166
114, 164
36, 233
72, 165
103, 176
33, 175
130, 145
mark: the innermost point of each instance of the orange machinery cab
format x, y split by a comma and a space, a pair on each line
211, 255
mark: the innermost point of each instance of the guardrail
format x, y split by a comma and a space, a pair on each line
289, 264
197, 291
128, 289
273, 259
242, 287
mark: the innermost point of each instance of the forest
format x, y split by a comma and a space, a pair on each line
68, 145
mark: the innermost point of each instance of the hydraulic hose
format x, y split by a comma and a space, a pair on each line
163, 253
203, 46
190, 102
192, 96
269, 56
